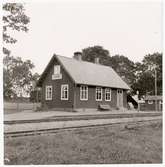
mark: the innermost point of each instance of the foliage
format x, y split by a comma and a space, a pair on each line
90, 53
17, 76
145, 84
145, 75
14, 18
35, 78
139, 76
35, 96
35, 93
16, 73
124, 67
121, 64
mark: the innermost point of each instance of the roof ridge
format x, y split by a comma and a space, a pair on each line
108, 76
83, 61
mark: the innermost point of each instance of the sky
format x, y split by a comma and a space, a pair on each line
129, 28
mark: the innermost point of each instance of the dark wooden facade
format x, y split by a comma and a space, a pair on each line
92, 103
74, 101
150, 105
56, 101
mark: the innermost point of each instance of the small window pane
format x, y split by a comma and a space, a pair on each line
64, 92
48, 93
98, 94
57, 69
107, 94
83, 93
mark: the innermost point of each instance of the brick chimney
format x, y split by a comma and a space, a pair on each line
77, 56
97, 60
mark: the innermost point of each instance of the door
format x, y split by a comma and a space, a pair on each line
119, 98
160, 105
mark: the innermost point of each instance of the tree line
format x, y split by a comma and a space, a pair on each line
18, 76
140, 76
17, 73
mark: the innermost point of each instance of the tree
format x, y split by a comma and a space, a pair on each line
145, 75
35, 92
14, 18
16, 73
90, 53
34, 80
121, 64
152, 60
35, 77
145, 84
17, 76
124, 67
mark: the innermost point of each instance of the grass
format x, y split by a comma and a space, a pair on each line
110, 145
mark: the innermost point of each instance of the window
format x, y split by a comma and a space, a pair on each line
64, 92
119, 91
57, 73
150, 102
98, 94
48, 93
83, 92
57, 69
107, 94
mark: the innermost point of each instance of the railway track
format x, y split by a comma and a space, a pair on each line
59, 130
83, 117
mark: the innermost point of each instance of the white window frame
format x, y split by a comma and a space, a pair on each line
57, 69
83, 90
107, 90
46, 92
63, 86
150, 101
100, 91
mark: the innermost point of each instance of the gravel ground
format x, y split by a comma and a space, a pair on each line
62, 124
40, 115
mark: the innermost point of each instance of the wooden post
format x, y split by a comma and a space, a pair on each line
17, 106
37, 94
37, 100
138, 106
137, 92
17, 101
74, 102
156, 107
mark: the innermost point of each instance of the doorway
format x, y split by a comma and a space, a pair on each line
119, 98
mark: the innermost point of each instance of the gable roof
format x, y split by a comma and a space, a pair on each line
87, 73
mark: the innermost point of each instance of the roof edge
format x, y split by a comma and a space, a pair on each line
103, 86
65, 68
39, 82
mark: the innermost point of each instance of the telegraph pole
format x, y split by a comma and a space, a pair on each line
137, 92
155, 90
